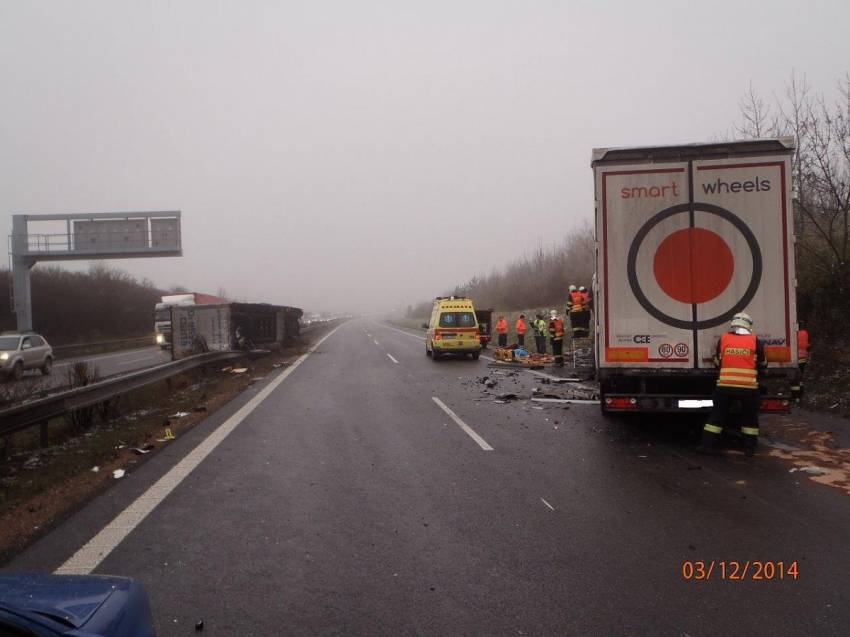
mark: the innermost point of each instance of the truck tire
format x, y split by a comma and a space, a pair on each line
436, 355
476, 355
47, 367
17, 371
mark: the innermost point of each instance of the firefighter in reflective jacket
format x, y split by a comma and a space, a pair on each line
802, 359
739, 356
556, 336
579, 315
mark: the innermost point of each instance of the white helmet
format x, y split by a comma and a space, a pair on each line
572, 288
553, 313
742, 319
582, 289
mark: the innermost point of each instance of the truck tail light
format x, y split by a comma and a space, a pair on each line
775, 404
621, 403
438, 337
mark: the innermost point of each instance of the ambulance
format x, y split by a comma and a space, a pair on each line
453, 328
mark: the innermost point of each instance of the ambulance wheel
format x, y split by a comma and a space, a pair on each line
436, 355
427, 351
476, 355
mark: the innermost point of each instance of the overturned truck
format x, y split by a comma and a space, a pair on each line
205, 328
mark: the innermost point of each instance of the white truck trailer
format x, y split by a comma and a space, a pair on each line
686, 237
162, 312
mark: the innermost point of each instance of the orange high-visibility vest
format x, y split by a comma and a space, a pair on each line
803, 345
520, 326
556, 328
585, 298
502, 326
738, 365
577, 299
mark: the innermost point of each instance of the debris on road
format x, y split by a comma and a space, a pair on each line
179, 414
811, 470
143, 449
95, 469
577, 401
118, 474
238, 370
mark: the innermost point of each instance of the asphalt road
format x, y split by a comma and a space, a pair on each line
349, 501
108, 364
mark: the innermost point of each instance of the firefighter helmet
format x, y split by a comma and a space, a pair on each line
742, 319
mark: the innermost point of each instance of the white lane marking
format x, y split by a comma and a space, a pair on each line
481, 442
376, 342
392, 359
421, 338
565, 400
95, 551
547, 504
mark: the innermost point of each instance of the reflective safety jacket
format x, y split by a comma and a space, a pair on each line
585, 299
556, 328
521, 327
803, 346
740, 356
540, 327
576, 302
502, 326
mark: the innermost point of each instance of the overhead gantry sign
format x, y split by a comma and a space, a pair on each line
103, 235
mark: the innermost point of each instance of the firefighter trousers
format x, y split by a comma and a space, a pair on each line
723, 414
558, 351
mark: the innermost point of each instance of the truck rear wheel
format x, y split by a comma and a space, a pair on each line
436, 355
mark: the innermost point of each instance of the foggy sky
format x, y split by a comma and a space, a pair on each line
365, 155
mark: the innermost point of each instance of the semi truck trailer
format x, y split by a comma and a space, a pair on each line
686, 236
162, 312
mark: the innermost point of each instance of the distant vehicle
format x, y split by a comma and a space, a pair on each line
687, 236
44, 605
485, 326
22, 351
162, 312
453, 328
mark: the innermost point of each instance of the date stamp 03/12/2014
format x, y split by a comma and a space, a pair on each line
740, 570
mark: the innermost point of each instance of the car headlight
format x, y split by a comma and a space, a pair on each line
4, 356
160, 339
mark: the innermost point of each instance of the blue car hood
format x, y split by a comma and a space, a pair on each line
98, 603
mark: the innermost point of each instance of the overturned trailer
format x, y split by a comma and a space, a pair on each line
203, 328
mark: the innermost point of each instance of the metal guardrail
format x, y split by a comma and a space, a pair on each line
81, 349
40, 410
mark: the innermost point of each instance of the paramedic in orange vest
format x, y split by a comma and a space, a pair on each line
521, 328
802, 359
502, 329
739, 356
556, 336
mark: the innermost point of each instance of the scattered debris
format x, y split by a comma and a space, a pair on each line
179, 414
227, 369
142, 450
811, 470
199, 627
507, 397
95, 469
118, 474
256, 378
641, 456
238, 370
490, 383
577, 401
200, 408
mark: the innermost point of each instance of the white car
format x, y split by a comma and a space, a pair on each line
22, 351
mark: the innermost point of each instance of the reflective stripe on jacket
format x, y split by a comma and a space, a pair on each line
738, 361
576, 301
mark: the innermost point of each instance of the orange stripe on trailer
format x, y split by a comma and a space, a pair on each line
777, 354
627, 354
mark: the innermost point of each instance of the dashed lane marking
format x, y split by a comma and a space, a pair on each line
470, 432
547, 504
392, 359
101, 545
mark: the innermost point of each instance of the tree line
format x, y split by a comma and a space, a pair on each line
102, 303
